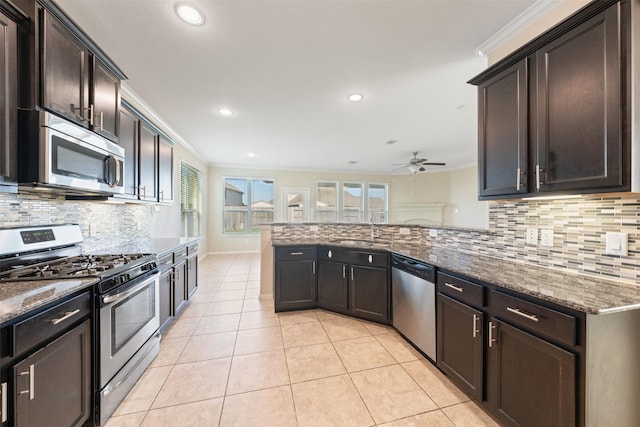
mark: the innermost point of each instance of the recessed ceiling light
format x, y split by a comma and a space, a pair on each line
225, 111
251, 154
355, 97
189, 14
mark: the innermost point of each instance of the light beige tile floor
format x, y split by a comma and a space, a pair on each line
228, 360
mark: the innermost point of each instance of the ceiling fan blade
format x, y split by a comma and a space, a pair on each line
433, 164
397, 169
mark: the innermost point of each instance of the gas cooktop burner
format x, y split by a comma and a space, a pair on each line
77, 266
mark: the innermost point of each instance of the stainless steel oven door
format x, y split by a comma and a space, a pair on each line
84, 161
129, 316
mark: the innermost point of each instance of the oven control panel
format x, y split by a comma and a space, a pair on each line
37, 236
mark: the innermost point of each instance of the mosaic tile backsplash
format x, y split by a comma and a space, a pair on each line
116, 224
579, 227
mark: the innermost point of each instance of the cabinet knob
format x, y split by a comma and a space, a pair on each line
370, 259
329, 254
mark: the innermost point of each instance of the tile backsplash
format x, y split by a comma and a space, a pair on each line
116, 223
579, 226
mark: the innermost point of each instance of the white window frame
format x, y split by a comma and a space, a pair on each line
386, 203
285, 202
337, 201
197, 210
361, 208
249, 226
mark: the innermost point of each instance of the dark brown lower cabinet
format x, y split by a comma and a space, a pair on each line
333, 286
369, 293
53, 385
460, 344
179, 285
531, 381
295, 286
192, 274
164, 297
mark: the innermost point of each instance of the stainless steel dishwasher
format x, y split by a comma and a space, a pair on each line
414, 302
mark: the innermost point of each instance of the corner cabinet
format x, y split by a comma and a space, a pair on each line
552, 116
295, 278
9, 104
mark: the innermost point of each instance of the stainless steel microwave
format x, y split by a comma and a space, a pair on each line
58, 155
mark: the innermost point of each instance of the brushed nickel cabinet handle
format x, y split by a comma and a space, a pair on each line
66, 316
454, 287
491, 328
32, 382
344, 271
518, 179
3, 405
521, 313
296, 253
475, 322
91, 114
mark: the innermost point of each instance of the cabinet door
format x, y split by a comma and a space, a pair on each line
333, 286
532, 382
148, 163
580, 144
164, 297
179, 285
503, 133
65, 71
460, 344
128, 140
369, 293
105, 100
53, 386
296, 285
165, 171
8, 104
192, 275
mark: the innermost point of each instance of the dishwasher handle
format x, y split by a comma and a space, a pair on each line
414, 267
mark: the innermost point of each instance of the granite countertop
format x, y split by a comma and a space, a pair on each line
17, 298
157, 246
587, 294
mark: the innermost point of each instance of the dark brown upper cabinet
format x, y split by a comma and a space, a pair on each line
503, 132
552, 115
165, 171
147, 164
579, 143
8, 104
129, 135
74, 82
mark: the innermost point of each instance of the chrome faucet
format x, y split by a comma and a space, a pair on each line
373, 236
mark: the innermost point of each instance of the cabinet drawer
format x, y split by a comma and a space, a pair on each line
371, 259
50, 322
193, 249
180, 254
328, 253
556, 325
461, 289
165, 262
295, 253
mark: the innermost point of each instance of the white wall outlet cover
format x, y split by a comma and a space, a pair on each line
313, 228
405, 230
433, 233
546, 238
278, 229
531, 236
92, 230
617, 244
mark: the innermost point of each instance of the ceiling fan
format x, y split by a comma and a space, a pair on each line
416, 164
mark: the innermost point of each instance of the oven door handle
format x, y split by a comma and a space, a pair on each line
108, 299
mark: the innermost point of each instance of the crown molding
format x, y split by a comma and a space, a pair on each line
530, 15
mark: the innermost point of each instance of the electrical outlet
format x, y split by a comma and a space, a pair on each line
546, 238
531, 237
617, 244
92, 230
433, 233
404, 230
278, 229
313, 228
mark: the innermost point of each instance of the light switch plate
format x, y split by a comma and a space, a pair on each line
531, 237
278, 229
433, 233
617, 244
313, 228
92, 230
546, 238
404, 230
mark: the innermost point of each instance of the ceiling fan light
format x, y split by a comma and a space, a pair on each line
412, 168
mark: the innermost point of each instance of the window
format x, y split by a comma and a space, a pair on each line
352, 202
190, 201
248, 202
377, 203
327, 201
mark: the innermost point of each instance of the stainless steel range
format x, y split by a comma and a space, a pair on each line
126, 300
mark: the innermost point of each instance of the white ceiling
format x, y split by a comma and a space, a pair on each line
286, 67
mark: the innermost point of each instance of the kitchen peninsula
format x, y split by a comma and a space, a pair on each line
567, 335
